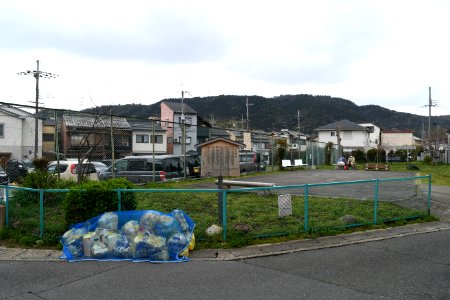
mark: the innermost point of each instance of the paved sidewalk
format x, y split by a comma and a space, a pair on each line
259, 250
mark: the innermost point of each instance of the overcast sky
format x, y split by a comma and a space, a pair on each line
379, 52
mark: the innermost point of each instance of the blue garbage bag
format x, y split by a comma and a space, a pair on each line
138, 235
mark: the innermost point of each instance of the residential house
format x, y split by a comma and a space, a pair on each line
398, 139
180, 121
148, 137
17, 134
352, 136
295, 140
374, 134
48, 135
206, 132
81, 134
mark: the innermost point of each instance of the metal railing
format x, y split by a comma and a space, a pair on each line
253, 212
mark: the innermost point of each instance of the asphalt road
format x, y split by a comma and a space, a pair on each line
411, 267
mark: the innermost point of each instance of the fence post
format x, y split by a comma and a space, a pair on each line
306, 209
375, 204
224, 214
7, 206
429, 194
119, 198
41, 212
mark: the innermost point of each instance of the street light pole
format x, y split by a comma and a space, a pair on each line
36, 74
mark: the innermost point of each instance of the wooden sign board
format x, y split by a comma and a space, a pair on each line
220, 158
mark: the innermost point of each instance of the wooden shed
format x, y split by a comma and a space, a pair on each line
220, 157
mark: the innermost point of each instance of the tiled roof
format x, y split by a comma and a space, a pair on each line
143, 125
176, 107
95, 121
343, 125
13, 111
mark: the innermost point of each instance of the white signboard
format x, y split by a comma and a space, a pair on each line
284, 205
248, 140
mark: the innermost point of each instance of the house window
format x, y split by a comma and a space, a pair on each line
121, 140
82, 140
142, 138
188, 140
333, 133
348, 135
157, 139
187, 120
2, 130
170, 140
48, 137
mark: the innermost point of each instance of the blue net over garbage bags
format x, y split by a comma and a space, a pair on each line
139, 235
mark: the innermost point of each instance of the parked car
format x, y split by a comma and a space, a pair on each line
99, 166
137, 169
250, 161
16, 169
3, 177
69, 169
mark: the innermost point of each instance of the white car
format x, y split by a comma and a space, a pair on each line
69, 169
99, 166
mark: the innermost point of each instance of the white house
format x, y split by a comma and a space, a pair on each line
397, 139
17, 134
374, 134
353, 136
148, 137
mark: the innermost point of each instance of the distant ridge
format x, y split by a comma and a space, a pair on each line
281, 112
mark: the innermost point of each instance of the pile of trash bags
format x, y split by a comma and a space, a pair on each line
147, 235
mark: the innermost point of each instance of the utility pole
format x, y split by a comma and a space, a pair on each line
298, 126
36, 74
183, 135
248, 116
430, 104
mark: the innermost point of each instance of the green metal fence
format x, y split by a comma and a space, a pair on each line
250, 212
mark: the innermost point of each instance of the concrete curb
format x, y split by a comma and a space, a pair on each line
14, 254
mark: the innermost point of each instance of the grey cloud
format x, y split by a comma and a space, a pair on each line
173, 41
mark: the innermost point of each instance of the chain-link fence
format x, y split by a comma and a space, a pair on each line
104, 136
248, 212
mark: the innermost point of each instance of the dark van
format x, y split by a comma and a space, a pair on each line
139, 169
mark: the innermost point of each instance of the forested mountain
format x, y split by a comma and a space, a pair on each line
282, 112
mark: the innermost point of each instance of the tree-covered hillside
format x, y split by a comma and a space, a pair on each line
282, 112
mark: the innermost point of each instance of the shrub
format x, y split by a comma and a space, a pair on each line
428, 160
373, 153
328, 150
359, 155
93, 198
40, 163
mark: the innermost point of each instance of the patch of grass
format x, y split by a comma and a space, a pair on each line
257, 210
440, 173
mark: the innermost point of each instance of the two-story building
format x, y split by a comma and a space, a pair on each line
352, 135
374, 134
398, 139
180, 121
148, 137
92, 133
17, 134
